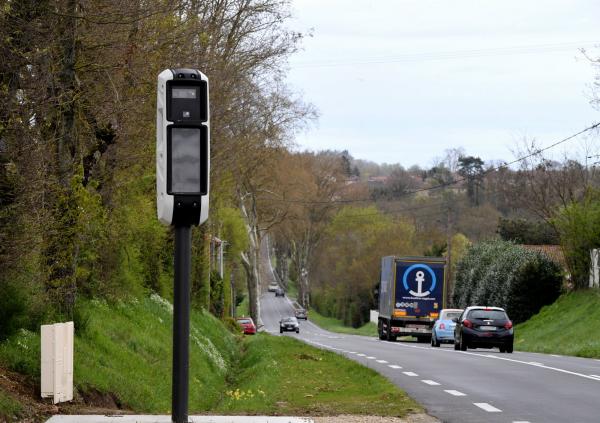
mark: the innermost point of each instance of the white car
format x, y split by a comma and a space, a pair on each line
273, 287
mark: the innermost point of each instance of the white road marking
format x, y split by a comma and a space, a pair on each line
412, 374
382, 361
552, 355
455, 393
370, 358
496, 357
595, 376
351, 352
535, 363
521, 421
393, 366
489, 408
430, 382
361, 355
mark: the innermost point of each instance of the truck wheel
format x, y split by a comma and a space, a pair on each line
390, 337
380, 330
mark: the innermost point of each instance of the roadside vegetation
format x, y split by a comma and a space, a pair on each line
335, 325
569, 327
282, 376
123, 361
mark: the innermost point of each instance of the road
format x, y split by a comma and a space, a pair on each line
473, 386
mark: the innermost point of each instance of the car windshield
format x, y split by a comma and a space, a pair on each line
289, 320
488, 315
449, 315
244, 321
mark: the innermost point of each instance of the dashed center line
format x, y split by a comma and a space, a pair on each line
361, 355
412, 374
455, 393
430, 382
382, 361
370, 358
487, 407
393, 366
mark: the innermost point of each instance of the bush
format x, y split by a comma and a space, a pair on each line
500, 273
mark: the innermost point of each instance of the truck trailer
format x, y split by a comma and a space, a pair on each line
412, 291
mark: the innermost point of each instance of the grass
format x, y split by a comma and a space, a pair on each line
10, 409
335, 325
125, 350
570, 326
123, 353
283, 376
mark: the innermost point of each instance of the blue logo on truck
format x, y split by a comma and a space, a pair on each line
420, 278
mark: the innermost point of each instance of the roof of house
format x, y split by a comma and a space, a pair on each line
553, 252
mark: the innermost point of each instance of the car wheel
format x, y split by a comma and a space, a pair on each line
456, 346
434, 340
509, 348
463, 344
297, 330
502, 349
280, 330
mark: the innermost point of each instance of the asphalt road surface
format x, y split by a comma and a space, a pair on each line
479, 385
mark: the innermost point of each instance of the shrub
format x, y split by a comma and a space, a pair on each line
500, 273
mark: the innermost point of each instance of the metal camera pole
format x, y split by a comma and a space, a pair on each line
181, 324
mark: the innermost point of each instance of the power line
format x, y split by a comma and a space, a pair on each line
454, 181
450, 55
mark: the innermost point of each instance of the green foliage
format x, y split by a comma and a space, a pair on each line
348, 266
217, 299
564, 327
579, 228
10, 409
283, 376
528, 232
500, 273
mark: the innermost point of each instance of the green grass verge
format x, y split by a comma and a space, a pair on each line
569, 327
125, 350
335, 325
10, 409
283, 376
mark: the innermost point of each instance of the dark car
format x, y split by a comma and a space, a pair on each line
279, 293
301, 313
247, 325
289, 324
485, 327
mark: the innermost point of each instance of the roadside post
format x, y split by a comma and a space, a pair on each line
182, 198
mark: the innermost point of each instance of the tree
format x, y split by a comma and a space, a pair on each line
471, 168
579, 228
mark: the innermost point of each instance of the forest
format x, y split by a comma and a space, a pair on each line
77, 171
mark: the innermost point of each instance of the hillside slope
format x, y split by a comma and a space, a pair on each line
123, 353
570, 326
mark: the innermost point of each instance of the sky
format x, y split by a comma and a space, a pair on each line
400, 81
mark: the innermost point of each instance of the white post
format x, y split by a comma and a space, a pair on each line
595, 268
57, 361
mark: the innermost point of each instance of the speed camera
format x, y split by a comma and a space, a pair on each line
182, 147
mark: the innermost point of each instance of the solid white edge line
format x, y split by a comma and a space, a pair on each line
455, 393
556, 369
487, 407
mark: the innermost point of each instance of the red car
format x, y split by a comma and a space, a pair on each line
247, 325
